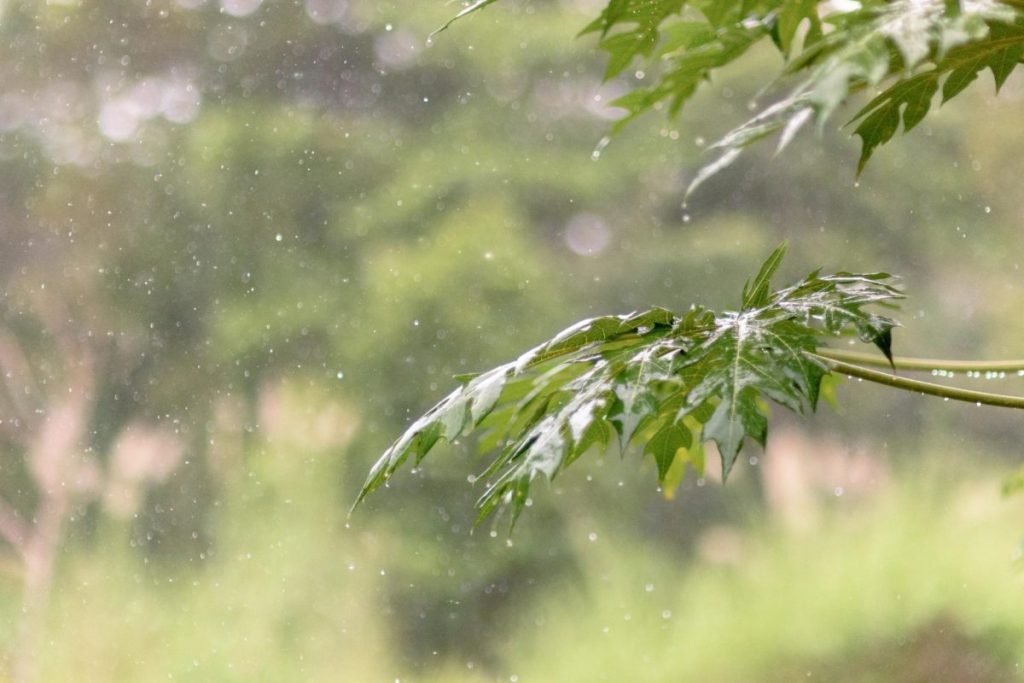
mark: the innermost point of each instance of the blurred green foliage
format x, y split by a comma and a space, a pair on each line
276, 230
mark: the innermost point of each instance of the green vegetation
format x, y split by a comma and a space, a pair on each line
669, 382
672, 382
909, 583
246, 243
753, 607
907, 48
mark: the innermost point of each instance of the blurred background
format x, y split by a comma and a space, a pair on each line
244, 242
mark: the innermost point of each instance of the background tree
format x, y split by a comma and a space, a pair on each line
439, 210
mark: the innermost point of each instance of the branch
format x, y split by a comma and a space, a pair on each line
967, 395
925, 364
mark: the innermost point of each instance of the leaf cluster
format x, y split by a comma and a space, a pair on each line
907, 50
665, 383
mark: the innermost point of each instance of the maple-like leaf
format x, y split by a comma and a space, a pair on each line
906, 48
909, 50
668, 382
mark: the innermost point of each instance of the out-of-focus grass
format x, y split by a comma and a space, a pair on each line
917, 580
921, 579
281, 596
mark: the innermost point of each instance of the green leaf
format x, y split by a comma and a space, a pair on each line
905, 48
1008, 55
790, 16
736, 417
487, 390
665, 443
692, 456
755, 294
665, 381
908, 101
643, 19
636, 391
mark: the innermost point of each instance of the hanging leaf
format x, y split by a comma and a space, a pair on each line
666, 382
906, 49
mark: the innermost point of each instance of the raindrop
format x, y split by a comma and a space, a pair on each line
227, 43
666, 614
601, 144
118, 120
592, 537
240, 8
326, 11
278, 237
396, 48
340, 375
587, 234
648, 587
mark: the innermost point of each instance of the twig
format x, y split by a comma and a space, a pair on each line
923, 364
954, 393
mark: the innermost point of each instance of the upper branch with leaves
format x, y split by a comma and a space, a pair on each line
904, 52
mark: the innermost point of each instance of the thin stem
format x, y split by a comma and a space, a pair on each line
967, 395
925, 364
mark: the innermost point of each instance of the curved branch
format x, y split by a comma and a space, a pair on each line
917, 386
924, 364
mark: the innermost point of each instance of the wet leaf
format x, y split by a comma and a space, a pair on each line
904, 47
664, 445
666, 382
